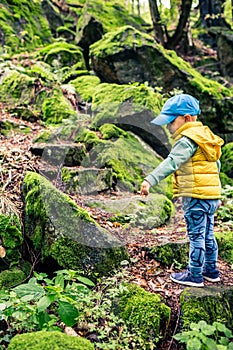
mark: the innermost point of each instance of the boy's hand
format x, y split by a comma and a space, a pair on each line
145, 187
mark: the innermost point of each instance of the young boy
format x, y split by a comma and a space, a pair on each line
194, 162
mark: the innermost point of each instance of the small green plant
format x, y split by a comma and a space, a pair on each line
43, 303
206, 337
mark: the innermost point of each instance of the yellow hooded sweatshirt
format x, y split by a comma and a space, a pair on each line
199, 177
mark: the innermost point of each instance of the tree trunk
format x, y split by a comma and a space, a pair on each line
181, 31
156, 20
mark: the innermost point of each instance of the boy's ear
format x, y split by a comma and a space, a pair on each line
188, 118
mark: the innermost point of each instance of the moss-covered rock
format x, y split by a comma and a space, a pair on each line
145, 313
131, 107
225, 244
56, 107
85, 86
23, 25
11, 238
227, 159
129, 160
61, 54
16, 88
146, 213
169, 253
209, 304
10, 278
49, 341
62, 230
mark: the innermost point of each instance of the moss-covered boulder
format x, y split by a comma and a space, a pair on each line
27, 97
225, 244
63, 231
131, 107
168, 253
127, 56
16, 88
146, 213
23, 25
11, 239
128, 158
210, 304
227, 159
61, 54
56, 107
85, 86
49, 341
145, 313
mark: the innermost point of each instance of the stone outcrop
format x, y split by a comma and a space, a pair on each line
61, 230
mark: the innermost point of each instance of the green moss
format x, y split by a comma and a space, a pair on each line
227, 159
11, 237
167, 253
16, 88
110, 14
10, 278
119, 40
225, 244
23, 25
111, 101
49, 340
62, 54
55, 107
89, 137
111, 131
128, 159
209, 304
85, 86
145, 313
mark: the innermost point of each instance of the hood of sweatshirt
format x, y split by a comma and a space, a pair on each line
204, 138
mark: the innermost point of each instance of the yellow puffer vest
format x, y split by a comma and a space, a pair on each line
199, 177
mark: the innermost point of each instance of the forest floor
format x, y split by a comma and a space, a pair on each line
16, 159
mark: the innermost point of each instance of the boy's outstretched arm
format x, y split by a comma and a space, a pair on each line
182, 151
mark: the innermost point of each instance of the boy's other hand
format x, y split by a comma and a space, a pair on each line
145, 188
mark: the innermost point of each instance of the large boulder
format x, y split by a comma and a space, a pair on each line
63, 231
211, 304
127, 55
131, 107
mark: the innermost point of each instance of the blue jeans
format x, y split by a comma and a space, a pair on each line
203, 251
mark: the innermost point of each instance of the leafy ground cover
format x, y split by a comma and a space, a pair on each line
147, 273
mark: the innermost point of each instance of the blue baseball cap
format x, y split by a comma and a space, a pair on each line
175, 106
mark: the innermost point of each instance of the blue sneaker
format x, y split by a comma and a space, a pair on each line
211, 276
187, 279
